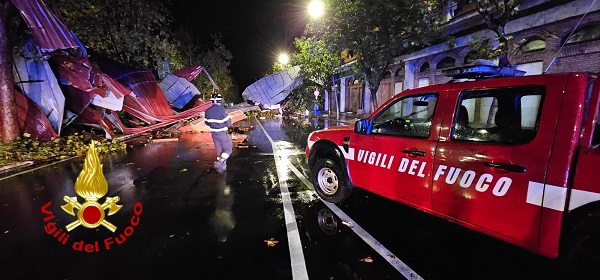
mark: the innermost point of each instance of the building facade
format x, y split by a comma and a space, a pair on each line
549, 36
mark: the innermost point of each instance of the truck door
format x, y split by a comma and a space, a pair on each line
396, 158
494, 153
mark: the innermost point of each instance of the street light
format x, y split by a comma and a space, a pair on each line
284, 59
315, 8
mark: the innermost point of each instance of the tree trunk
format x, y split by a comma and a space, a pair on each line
503, 40
374, 101
503, 60
9, 129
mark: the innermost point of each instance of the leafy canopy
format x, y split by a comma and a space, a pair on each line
317, 62
139, 33
497, 13
377, 31
132, 32
317, 66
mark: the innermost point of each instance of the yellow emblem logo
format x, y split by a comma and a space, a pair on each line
91, 186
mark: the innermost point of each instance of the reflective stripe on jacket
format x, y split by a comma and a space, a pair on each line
217, 118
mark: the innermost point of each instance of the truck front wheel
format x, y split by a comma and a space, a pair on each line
582, 256
330, 181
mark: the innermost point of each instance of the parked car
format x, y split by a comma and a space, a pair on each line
514, 157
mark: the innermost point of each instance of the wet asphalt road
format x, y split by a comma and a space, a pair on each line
183, 220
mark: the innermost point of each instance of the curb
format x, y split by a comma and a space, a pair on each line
8, 168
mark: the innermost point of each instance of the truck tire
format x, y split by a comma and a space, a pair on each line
330, 181
582, 256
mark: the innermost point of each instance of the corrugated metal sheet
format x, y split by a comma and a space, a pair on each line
274, 88
189, 72
50, 33
93, 118
85, 76
178, 91
32, 120
35, 79
78, 99
74, 71
109, 101
148, 101
86, 83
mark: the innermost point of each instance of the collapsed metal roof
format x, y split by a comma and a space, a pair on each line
49, 31
273, 89
43, 101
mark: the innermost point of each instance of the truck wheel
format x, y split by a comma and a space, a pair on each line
330, 181
582, 257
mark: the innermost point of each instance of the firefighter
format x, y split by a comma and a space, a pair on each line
219, 121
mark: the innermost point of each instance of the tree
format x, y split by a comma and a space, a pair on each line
138, 33
9, 130
497, 13
132, 32
317, 66
377, 31
215, 59
316, 62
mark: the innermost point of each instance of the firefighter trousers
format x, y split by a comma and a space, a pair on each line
222, 144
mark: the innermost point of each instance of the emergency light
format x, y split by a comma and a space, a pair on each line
481, 69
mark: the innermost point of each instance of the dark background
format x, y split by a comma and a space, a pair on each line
255, 31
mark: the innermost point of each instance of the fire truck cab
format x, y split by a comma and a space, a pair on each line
511, 156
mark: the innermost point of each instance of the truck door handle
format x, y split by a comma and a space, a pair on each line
414, 153
506, 166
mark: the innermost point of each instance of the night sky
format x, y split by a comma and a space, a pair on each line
255, 31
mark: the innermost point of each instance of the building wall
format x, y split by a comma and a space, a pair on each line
552, 25
580, 57
354, 97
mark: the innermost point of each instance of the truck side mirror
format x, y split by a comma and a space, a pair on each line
363, 126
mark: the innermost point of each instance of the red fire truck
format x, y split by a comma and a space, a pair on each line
510, 156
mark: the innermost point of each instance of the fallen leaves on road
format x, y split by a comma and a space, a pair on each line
367, 259
271, 242
183, 170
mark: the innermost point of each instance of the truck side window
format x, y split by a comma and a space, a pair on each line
502, 115
409, 116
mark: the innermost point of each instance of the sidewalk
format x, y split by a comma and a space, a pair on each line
347, 119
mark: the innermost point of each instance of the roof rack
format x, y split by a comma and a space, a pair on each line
481, 69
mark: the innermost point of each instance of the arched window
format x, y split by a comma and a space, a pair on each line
424, 67
590, 32
470, 57
399, 72
533, 44
446, 62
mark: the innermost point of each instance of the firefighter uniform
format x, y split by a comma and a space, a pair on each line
219, 121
